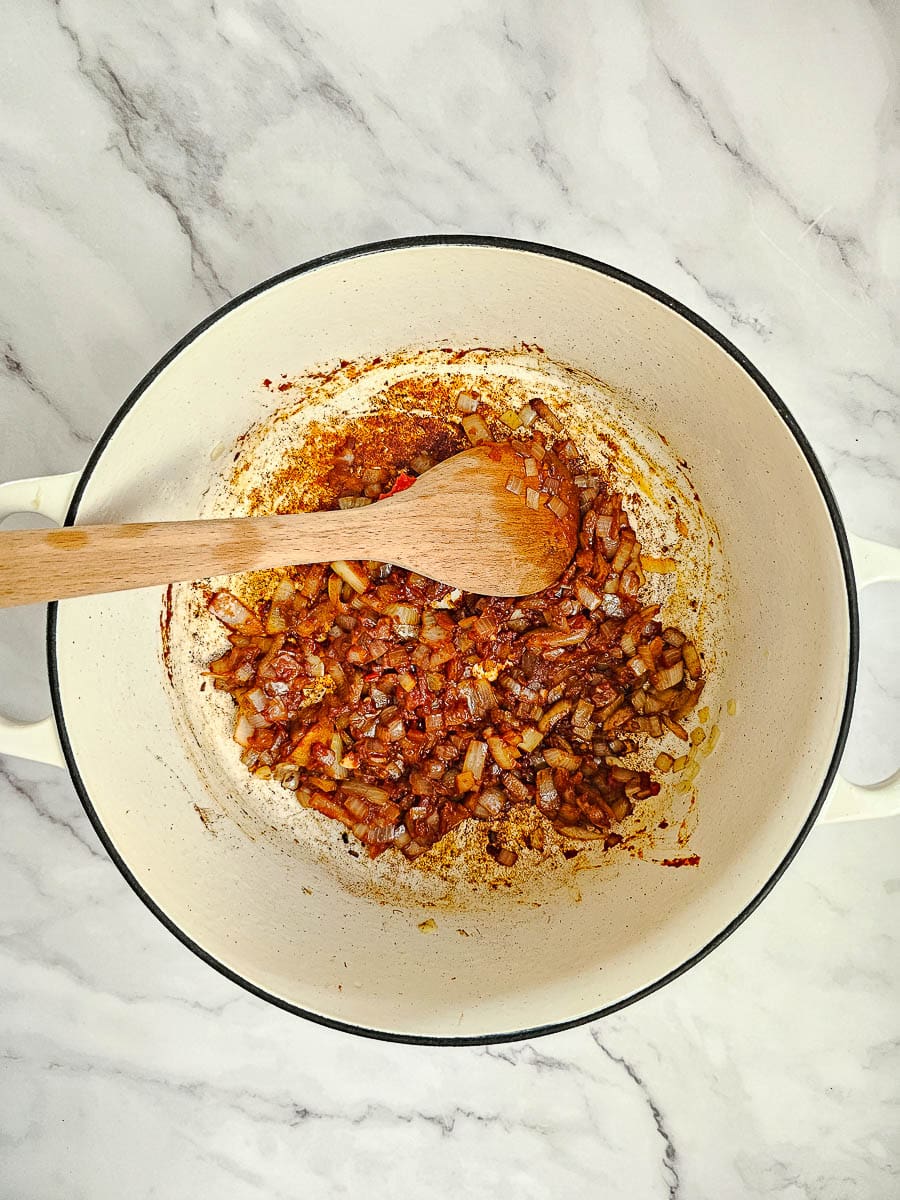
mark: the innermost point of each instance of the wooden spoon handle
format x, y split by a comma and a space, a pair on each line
41, 565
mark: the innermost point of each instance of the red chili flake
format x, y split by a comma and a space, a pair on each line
691, 860
267, 383
403, 482
283, 387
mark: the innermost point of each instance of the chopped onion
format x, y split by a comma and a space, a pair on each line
467, 402
673, 637
511, 418
366, 689
547, 796
562, 759
476, 430
527, 415
658, 566
668, 677
530, 740
475, 759
587, 596
711, 740
232, 613
674, 727
554, 714
488, 804
243, 731
502, 752
368, 791
691, 660
543, 410
351, 573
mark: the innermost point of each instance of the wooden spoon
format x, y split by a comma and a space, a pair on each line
459, 523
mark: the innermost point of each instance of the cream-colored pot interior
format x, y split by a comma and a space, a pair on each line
285, 924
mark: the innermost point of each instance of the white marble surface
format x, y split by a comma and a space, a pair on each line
157, 159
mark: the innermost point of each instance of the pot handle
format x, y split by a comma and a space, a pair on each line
50, 496
872, 563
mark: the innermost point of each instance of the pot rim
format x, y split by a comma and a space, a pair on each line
655, 293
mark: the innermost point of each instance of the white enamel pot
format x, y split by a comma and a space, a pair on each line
286, 928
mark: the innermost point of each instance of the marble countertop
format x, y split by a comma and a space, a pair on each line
157, 160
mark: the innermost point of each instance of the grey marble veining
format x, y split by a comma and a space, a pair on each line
155, 161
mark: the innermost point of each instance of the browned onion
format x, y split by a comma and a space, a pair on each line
400, 708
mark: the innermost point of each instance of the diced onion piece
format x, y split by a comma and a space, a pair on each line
680, 763
531, 468
584, 710
587, 596
668, 677
506, 857
547, 798
345, 502
664, 762
235, 615
489, 804
501, 752
546, 412
697, 736
467, 402
465, 782
562, 759
674, 727
531, 738
582, 833
403, 614
658, 566
511, 418
691, 660
476, 429
703, 714
351, 573
527, 415
731, 707
554, 714
532, 498
243, 731
516, 485
558, 506
711, 741
604, 525
421, 463
691, 771
475, 759
368, 791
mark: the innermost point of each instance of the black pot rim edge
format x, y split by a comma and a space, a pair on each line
786, 417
